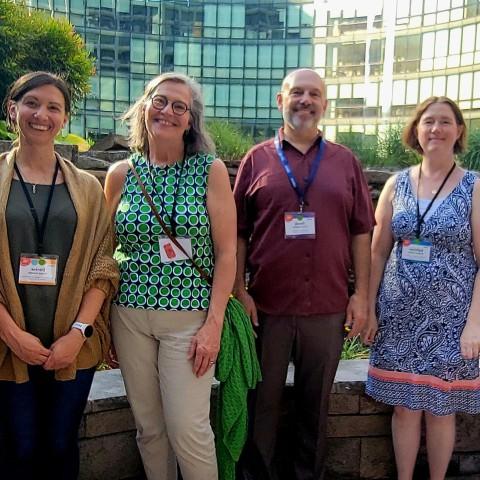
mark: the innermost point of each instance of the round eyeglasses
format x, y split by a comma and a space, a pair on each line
159, 102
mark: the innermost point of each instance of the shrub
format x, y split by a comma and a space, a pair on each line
230, 141
471, 158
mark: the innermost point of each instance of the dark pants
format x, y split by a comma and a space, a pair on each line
314, 343
39, 423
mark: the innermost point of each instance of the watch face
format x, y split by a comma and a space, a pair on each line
88, 332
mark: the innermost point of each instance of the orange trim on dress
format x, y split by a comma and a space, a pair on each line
426, 380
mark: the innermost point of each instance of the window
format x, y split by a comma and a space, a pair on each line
180, 53
236, 96
265, 56
209, 52
223, 55
452, 87
137, 49
194, 54
237, 56
121, 89
251, 56
221, 95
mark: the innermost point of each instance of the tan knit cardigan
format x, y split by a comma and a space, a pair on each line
90, 264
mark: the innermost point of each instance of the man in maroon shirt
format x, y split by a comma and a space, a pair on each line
304, 217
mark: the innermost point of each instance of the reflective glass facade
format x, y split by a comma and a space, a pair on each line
379, 60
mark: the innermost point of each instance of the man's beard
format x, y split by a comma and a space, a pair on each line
300, 122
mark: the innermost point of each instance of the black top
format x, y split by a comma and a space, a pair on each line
40, 301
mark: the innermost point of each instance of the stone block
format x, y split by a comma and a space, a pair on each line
81, 429
468, 433
343, 458
70, 152
358, 425
369, 406
112, 457
99, 175
343, 404
469, 464
350, 377
106, 423
377, 458
377, 177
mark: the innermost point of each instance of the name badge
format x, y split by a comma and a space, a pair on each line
299, 225
416, 250
38, 269
169, 252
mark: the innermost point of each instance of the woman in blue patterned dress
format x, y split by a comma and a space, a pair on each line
425, 291
166, 319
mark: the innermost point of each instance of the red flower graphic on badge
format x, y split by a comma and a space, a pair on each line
407, 242
24, 261
288, 217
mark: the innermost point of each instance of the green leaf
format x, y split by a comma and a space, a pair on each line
72, 139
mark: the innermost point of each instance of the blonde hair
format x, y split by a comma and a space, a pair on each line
196, 139
409, 136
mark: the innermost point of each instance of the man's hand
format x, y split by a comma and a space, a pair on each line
205, 347
29, 348
65, 350
357, 311
247, 301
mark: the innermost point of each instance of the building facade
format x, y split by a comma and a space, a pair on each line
379, 57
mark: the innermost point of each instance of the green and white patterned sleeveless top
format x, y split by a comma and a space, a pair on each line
146, 282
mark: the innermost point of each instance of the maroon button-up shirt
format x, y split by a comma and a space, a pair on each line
300, 276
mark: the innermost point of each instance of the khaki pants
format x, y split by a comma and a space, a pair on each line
170, 404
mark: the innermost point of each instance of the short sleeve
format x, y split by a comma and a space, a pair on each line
362, 219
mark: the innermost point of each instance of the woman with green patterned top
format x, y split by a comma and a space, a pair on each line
166, 319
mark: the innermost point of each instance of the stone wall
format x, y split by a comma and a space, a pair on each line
359, 434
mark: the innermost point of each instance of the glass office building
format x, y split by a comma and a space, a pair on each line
379, 57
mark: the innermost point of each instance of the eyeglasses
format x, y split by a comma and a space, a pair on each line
159, 102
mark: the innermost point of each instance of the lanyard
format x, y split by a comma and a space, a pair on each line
421, 218
40, 228
301, 193
178, 176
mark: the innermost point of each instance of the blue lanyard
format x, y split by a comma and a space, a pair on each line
301, 193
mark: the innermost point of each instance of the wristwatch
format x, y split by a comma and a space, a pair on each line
85, 328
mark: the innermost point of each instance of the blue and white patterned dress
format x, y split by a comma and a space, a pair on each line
422, 309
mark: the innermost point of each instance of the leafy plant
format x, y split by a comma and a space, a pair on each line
72, 139
69, 139
471, 158
231, 142
354, 349
5, 134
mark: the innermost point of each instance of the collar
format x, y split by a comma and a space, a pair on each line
284, 141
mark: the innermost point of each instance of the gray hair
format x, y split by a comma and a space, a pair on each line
196, 140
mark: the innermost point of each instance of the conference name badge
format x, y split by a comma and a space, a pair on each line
38, 269
169, 252
416, 250
299, 225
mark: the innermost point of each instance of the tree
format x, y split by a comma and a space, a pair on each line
31, 40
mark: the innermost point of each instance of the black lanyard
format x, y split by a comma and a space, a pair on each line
40, 228
422, 217
178, 176
301, 193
